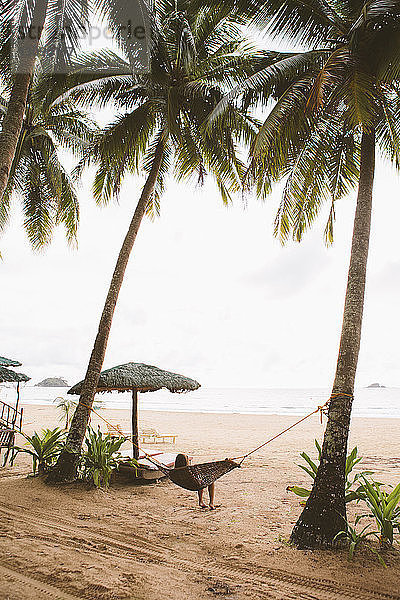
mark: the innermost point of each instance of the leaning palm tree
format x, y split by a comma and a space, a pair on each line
37, 177
26, 28
195, 56
334, 105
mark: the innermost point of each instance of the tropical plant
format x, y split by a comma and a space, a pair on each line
195, 58
53, 26
37, 175
311, 468
44, 449
100, 457
335, 102
384, 507
355, 538
66, 407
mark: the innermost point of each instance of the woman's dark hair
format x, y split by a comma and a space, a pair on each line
181, 461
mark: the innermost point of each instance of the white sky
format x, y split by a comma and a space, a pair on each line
208, 292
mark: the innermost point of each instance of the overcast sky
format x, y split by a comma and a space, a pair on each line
208, 292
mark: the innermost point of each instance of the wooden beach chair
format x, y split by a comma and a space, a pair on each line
116, 431
10, 424
147, 471
152, 436
7, 437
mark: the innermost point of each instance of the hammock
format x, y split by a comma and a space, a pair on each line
197, 477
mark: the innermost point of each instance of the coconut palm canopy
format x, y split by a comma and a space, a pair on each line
140, 377
7, 362
6, 375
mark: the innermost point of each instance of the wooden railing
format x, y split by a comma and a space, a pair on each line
10, 417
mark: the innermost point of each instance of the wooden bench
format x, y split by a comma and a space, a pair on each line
7, 439
152, 436
149, 436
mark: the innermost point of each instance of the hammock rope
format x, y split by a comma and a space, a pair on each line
320, 409
199, 476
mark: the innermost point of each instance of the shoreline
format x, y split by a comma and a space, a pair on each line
368, 403
25, 405
231, 434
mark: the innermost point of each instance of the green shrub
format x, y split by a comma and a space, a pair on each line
355, 538
384, 507
100, 457
44, 448
311, 468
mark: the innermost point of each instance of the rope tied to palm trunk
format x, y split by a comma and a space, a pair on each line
197, 477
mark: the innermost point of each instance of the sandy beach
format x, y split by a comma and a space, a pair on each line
151, 542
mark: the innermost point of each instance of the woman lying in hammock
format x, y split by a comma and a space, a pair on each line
183, 461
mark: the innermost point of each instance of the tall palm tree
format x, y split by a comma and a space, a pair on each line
335, 103
196, 56
59, 23
37, 176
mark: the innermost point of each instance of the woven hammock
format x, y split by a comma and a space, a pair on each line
197, 477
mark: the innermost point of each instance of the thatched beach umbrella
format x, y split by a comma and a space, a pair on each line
8, 362
7, 375
137, 377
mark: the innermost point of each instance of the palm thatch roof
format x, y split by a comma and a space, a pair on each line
140, 377
7, 362
6, 375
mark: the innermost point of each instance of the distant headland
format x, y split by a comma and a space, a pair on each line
375, 385
53, 382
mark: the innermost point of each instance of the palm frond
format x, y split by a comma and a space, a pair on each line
283, 70
388, 130
66, 22
120, 148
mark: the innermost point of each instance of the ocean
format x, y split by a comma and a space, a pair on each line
369, 402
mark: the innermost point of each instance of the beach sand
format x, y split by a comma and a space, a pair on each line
152, 542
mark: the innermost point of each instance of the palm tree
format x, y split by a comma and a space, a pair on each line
59, 23
334, 104
195, 57
37, 176
65, 407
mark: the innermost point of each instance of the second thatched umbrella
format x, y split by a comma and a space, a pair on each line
9, 376
8, 362
6, 375
138, 377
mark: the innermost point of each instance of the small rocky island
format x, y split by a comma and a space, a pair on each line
375, 385
53, 382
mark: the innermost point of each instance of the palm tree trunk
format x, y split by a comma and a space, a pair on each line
13, 119
65, 469
325, 512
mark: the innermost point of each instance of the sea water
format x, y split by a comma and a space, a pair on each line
369, 402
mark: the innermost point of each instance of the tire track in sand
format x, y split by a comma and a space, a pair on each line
261, 579
12, 575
